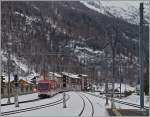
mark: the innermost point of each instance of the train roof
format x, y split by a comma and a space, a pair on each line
44, 81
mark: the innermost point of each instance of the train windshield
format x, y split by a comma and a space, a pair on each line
43, 86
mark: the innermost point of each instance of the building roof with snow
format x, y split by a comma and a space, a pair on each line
70, 75
55, 74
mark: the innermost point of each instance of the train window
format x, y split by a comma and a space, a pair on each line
43, 86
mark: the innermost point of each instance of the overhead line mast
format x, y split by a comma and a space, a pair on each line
141, 58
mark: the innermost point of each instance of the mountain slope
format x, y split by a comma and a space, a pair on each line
39, 28
126, 10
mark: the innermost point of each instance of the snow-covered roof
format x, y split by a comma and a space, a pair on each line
70, 75
26, 78
55, 74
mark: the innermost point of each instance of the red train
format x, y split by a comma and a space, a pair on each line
48, 88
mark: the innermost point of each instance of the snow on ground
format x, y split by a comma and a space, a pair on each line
21, 98
134, 98
30, 104
117, 105
124, 87
74, 107
123, 106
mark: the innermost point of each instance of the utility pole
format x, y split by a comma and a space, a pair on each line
9, 49
113, 76
16, 90
0, 58
44, 68
106, 92
141, 59
113, 69
8, 66
120, 74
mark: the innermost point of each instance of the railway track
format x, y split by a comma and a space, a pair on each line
91, 105
122, 102
84, 104
35, 107
26, 101
22, 102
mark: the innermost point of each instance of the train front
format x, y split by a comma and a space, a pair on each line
44, 88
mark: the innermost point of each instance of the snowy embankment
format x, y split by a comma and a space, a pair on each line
21, 98
124, 87
30, 104
134, 98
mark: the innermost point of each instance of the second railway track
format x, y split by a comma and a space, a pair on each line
122, 102
26, 101
84, 105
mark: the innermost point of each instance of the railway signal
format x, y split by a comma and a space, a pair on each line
2, 81
16, 80
16, 93
64, 81
106, 92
